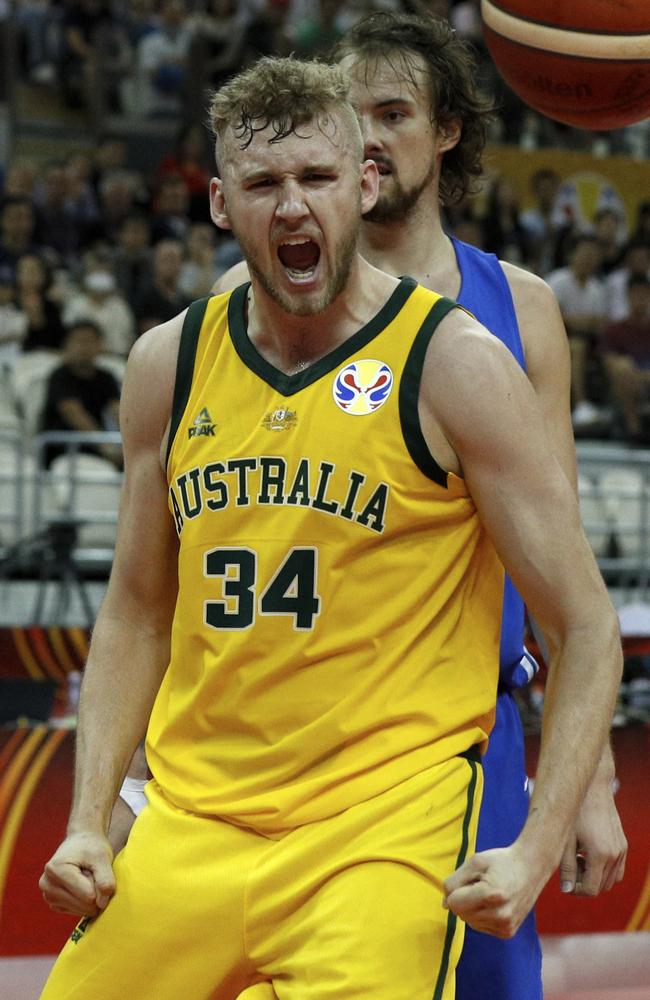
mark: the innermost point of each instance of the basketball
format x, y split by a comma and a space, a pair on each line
582, 62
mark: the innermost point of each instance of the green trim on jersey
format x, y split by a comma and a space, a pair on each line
288, 385
471, 758
185, 365
409, 392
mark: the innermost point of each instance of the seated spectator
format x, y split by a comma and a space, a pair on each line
121, 193
218, 42
200, 267
626, 349
171, 219
581, 296
34, 18
162, 58
82, 20
130, 258
321, 29
163, 299
13, 322
17, 228
190, 162
635, 263
503, 233
20, 179
33, 286
109, 157
100, 301
539, 223
59, 223
80, 395
610, 231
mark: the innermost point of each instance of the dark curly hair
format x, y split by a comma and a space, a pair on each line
451, 71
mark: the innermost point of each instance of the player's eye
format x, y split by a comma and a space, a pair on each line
394, 116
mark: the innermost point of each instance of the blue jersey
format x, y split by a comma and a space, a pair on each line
484, 290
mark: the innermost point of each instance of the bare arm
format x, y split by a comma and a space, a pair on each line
130, 648
598, 835
480, 417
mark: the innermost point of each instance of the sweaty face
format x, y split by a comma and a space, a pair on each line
397, 128
295, 207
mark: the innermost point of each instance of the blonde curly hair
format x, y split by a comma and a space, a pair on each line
284, 93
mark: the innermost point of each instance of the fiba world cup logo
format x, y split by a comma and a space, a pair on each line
362, 387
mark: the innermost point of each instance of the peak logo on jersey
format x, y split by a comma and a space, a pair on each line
362, 387
80, 929
280, 420
202, 426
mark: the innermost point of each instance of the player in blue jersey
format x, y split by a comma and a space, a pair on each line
425, 126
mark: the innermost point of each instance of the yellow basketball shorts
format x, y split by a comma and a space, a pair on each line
348, 908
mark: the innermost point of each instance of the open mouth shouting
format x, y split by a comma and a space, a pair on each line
299, 256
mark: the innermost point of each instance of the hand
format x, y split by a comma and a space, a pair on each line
594, 856
79, 878
494, 891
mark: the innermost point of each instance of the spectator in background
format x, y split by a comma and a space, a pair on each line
81, 22
635, 263
609, 230
626, 349
20, 179
109, 157
59, 224
219, 36
80, 395
33, 294
34, 18
130, 258
581, 297
269, 31
120, 194
163, 62
190, 162
13, 322
199, 268
100, 301
171, 211
320, 30
503, 233
538, 222
163, 299
642, 226
17, 229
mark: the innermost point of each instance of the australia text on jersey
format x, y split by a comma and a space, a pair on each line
269, 480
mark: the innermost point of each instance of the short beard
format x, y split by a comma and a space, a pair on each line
345, 254
398, 203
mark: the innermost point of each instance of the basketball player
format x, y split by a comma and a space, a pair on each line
306, 601
424, 125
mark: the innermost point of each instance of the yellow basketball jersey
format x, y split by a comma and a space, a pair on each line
338, 617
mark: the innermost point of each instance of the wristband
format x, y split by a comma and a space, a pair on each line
132, 792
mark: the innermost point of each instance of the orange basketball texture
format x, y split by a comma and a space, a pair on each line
582, 62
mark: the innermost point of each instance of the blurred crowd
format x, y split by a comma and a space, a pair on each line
88, 241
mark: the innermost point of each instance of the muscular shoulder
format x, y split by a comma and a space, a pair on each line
466, 368
149, 381
540, 321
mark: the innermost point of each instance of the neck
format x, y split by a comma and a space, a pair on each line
415, 245
292, 343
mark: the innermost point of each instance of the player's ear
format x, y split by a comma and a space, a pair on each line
218, 210
369, 185
449, 135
